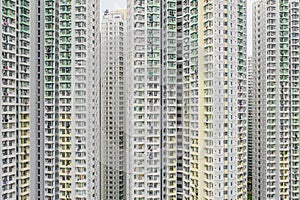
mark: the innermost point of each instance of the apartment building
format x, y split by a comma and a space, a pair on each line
113, 66
218, 135
153, 129
190, 56
250, 121
276, 99
187, 95
49, 99
15, 101
67, 61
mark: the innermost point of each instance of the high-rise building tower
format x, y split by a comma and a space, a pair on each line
190, 45
112, 105
153, 127
67, 71
49, 99
276, 99
250, 122
187, 92
215, 79
179, 113
15, 102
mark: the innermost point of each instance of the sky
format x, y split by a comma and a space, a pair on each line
112, 5
118, 4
